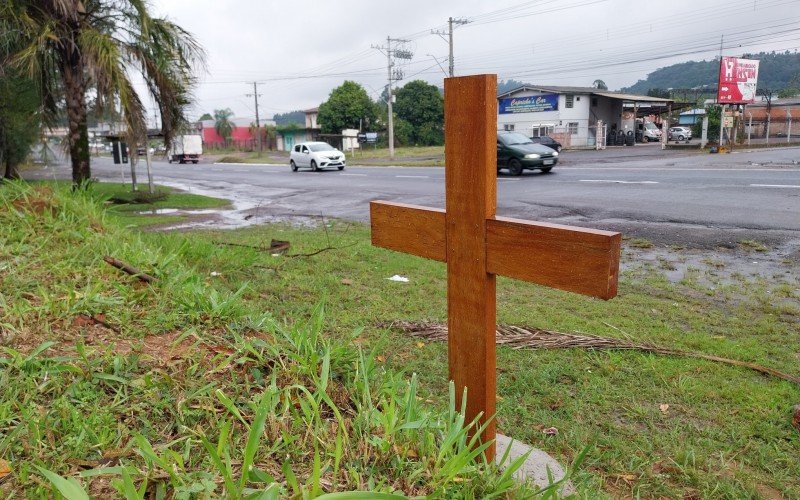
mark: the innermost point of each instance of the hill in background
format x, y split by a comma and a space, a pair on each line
777, 71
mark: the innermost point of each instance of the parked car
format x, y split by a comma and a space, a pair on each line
517, 152
647, 131
547, 141
680, 134
316, 156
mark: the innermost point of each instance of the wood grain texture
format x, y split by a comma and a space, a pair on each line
408, 228
579, 260
470, 119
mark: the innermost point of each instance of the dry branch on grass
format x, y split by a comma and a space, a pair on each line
128, 269
518, 337
277, 246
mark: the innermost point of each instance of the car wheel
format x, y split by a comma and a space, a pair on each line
314, 166
195, 161
547, 170
341, 168
181, 162
293, 165
169, 159
645, 139
514, 167
680, 138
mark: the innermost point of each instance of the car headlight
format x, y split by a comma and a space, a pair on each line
555, 153
532, 156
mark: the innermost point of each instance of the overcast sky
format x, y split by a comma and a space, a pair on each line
299, 51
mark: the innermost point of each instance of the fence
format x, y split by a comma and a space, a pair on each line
246, 145
774, 131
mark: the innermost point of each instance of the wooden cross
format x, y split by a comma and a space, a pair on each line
477, 245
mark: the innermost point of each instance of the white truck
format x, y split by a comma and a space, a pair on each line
186, 148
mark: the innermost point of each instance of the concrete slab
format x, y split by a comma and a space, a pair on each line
536, 465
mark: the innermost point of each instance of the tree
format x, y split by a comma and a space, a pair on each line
206, 116
75, 48
422, 105
223, 124
20, 119
19, 123
297, 117
348, 106
600, 85
662, 93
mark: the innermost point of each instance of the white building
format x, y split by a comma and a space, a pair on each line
570, 115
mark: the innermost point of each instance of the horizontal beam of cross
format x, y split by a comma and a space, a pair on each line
584, 261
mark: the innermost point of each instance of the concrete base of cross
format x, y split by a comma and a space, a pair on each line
535, 467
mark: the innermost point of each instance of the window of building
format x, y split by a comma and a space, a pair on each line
542, 130
594, 102
572, 128
508, 127
570, 100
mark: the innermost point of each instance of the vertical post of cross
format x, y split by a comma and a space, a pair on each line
470, 122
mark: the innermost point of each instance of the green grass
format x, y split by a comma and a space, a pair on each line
411, 156
141, 209
727, 431
186, 388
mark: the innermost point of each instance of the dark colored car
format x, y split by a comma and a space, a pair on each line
517, 152
547, 141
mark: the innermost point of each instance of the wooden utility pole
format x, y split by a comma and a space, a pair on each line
255, 95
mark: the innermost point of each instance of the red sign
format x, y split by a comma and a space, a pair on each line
737, 81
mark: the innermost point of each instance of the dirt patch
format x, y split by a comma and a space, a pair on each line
39, 201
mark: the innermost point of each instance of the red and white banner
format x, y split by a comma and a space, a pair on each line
737, 80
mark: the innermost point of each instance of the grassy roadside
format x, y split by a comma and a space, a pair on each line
404, 156
726, 431
182, 388
141, 209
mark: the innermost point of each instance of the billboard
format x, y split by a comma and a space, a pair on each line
737, 80
529, 104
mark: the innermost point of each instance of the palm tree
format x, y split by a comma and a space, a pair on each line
223, 124
72, 48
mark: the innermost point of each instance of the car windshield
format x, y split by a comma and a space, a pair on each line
514, 138
321, 146
650, 126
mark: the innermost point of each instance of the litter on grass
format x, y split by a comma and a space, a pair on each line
397, 277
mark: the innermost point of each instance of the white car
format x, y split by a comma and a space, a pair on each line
679, 134
316, 156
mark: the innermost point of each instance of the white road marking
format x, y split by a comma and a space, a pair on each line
413, 176
358, 175
775, 186
683, 169
618, 182
505, 179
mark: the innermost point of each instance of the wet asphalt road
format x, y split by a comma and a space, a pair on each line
671, 197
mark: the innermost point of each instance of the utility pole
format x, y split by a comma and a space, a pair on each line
721, 105
450, 22
393, 75
255, 95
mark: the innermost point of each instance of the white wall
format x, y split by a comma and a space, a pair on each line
523, 122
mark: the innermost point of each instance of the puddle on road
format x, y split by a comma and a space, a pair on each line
720, 267
178, 211
244, 213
